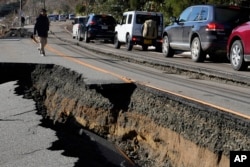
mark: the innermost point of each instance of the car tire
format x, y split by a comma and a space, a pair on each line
116, 42
144, 47
129, 44
197, 54
166, 49
86, 39
237, 56
79, 38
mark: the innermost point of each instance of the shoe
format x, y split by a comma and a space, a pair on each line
42, 53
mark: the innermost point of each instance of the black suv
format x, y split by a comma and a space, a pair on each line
202, 29
99, 26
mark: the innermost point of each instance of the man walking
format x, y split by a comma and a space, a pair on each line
42, 28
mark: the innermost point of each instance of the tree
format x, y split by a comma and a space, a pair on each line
80, 9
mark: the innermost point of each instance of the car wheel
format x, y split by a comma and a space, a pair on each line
129, 44
86, 39
166, 49
237, 56
197, 53
116, 42
79, 38
144, 47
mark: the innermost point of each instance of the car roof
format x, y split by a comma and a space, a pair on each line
221, 6
142, 12
93, 14
80, 17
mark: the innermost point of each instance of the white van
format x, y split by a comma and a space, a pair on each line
78, 27
130, 30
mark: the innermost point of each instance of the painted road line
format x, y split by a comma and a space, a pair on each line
127, 80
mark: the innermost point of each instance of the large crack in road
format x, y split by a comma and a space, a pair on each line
152, 127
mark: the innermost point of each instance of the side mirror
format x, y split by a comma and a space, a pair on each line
173, 19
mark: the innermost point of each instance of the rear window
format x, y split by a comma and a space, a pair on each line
104, 20
232, 15
82, 20
140, 19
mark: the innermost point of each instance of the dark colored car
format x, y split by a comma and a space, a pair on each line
202, 29
238, 47
99, 26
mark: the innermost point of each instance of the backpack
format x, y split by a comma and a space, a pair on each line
149, 29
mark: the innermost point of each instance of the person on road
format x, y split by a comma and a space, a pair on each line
41, 28
22, 21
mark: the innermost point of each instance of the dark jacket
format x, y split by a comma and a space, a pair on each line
41, 26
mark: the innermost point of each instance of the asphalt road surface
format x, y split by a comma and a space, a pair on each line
27, 140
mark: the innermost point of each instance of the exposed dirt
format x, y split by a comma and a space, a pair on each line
153, 128
15, 32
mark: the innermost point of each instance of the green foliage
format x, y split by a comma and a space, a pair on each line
117, 7
80, 9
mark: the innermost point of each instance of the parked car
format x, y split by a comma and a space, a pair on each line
52, 17
202, 29
99, 26
71, 16
238, 47
79, 27
62, 17
140, 28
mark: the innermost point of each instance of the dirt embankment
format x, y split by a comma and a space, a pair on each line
152, 127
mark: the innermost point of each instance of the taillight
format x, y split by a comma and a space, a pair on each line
92, 23
214, 27
134, 39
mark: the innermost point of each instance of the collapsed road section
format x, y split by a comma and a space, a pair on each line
152, 127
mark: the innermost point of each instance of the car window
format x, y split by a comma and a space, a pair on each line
140, 19
75, 20
231, 15
82, 20
104, 20
130, 19
204, 13
195, 14
185, 14
124, 19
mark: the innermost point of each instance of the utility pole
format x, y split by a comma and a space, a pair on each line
20, 13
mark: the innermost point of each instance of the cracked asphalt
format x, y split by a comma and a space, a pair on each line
23, 141
29, 140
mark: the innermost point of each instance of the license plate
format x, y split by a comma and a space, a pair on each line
147, 41
104, 27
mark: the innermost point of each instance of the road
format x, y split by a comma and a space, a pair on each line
100, 67
97, 68
27, 140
